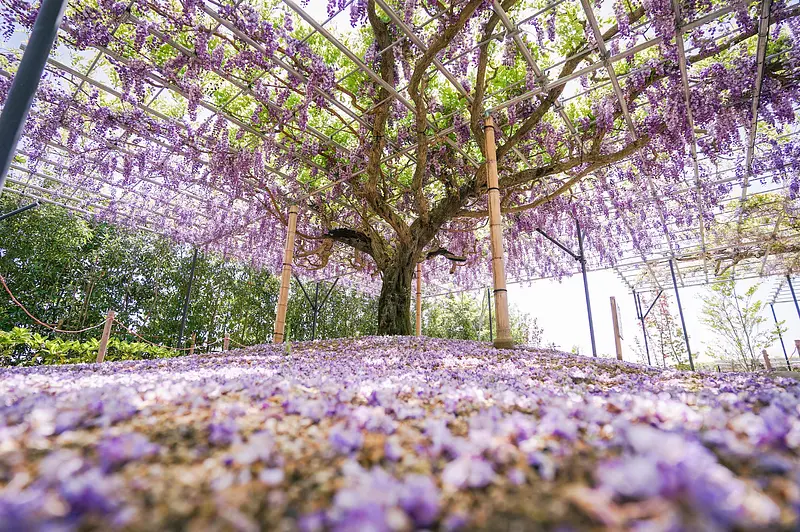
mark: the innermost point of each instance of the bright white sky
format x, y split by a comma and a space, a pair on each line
560, 309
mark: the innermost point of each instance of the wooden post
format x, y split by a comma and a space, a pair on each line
286, 277
101, 351
617, 331
503, 338
191, 348
419, 299
226, 342
767, 363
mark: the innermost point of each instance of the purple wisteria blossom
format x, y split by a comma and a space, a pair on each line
396, 434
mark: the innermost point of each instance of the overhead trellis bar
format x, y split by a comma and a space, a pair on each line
201, 121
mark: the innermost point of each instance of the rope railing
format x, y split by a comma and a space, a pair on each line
107, 333
40, 322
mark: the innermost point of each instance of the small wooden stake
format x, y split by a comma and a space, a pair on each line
101, 351
503, 338
617, 332
767, 363
419, 299
226, 342
286, 277
191, 348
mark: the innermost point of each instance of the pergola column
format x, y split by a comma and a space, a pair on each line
419, 299
286, 277
503, 338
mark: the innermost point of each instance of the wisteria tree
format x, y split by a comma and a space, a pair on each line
377, 132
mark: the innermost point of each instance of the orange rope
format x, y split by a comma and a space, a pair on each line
38, 321
139, 336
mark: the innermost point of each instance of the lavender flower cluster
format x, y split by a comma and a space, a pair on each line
395, 434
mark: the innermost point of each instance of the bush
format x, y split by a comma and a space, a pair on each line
21, 347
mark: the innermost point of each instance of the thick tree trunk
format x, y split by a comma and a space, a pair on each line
394, 304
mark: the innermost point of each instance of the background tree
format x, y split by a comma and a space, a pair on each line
462, 316
69, 272
665, 337
737, 323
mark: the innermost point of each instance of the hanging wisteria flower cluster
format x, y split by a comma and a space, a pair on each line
205, 119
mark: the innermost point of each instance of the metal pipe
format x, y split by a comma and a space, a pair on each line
315, 312
794, 297
780, 336
680, 310
582, 259
638, 304
187, 298
19, 211
26, 81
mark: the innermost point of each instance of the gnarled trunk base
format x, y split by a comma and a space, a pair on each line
394, 304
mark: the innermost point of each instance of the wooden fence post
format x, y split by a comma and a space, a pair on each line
286, 277
191, 348
419, 299
617, 331
101, 351
226, 342
503, 338
767, 363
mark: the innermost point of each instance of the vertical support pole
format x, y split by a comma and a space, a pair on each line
582, 259
286, 277
419, 299
194, 340
767, 363
26, 80
187, 299
489, 305
103, 347
226, 342
503, 339
780, 337
615, 321
315, 313
794, 297
638, 302
680, 311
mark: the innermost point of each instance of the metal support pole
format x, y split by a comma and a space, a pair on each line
187, 299
794, 297
638, 302
780, 336
26, 80
19, 211
315, 313
582, 259
680, 311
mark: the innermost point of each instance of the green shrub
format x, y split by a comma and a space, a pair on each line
21, 347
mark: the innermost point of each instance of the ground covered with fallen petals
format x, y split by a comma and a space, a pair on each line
395, 434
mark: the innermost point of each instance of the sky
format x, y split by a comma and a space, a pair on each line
560, 309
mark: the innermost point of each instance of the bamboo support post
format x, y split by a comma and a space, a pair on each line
767, 363
194, 340
503, 338
286, 277
419, 299
226, 342
101, 351
617, 333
